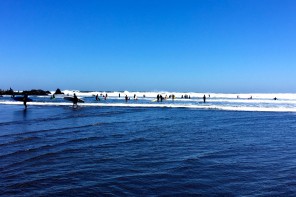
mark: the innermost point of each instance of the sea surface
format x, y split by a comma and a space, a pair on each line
143, 148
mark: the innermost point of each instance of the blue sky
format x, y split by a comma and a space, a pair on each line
147, 45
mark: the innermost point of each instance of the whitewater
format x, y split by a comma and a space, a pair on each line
264, 102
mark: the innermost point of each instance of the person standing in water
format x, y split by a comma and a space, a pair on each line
204, 98
25, 100
75, 100
126, 98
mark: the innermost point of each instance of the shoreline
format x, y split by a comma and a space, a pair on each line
171, 106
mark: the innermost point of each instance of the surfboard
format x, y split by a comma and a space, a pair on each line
154, 100
21, 98
69, 98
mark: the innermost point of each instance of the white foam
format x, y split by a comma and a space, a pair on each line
153, 94
161, 105
220, 101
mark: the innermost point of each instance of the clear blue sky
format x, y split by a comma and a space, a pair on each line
145, 45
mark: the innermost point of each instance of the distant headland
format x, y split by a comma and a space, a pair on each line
29, 92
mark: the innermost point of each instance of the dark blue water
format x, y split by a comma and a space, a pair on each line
105, 151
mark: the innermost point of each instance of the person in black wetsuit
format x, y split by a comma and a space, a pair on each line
204, 98
126, 98
75, 100
11, 92
25, 100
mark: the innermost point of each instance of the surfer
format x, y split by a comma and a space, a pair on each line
126, 98
75, 100
97, 97
204, 98
275, 98
158, 98
25, 100
11, 92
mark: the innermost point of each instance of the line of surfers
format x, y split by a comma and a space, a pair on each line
159, 97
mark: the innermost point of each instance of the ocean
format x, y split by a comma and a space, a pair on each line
229, 146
